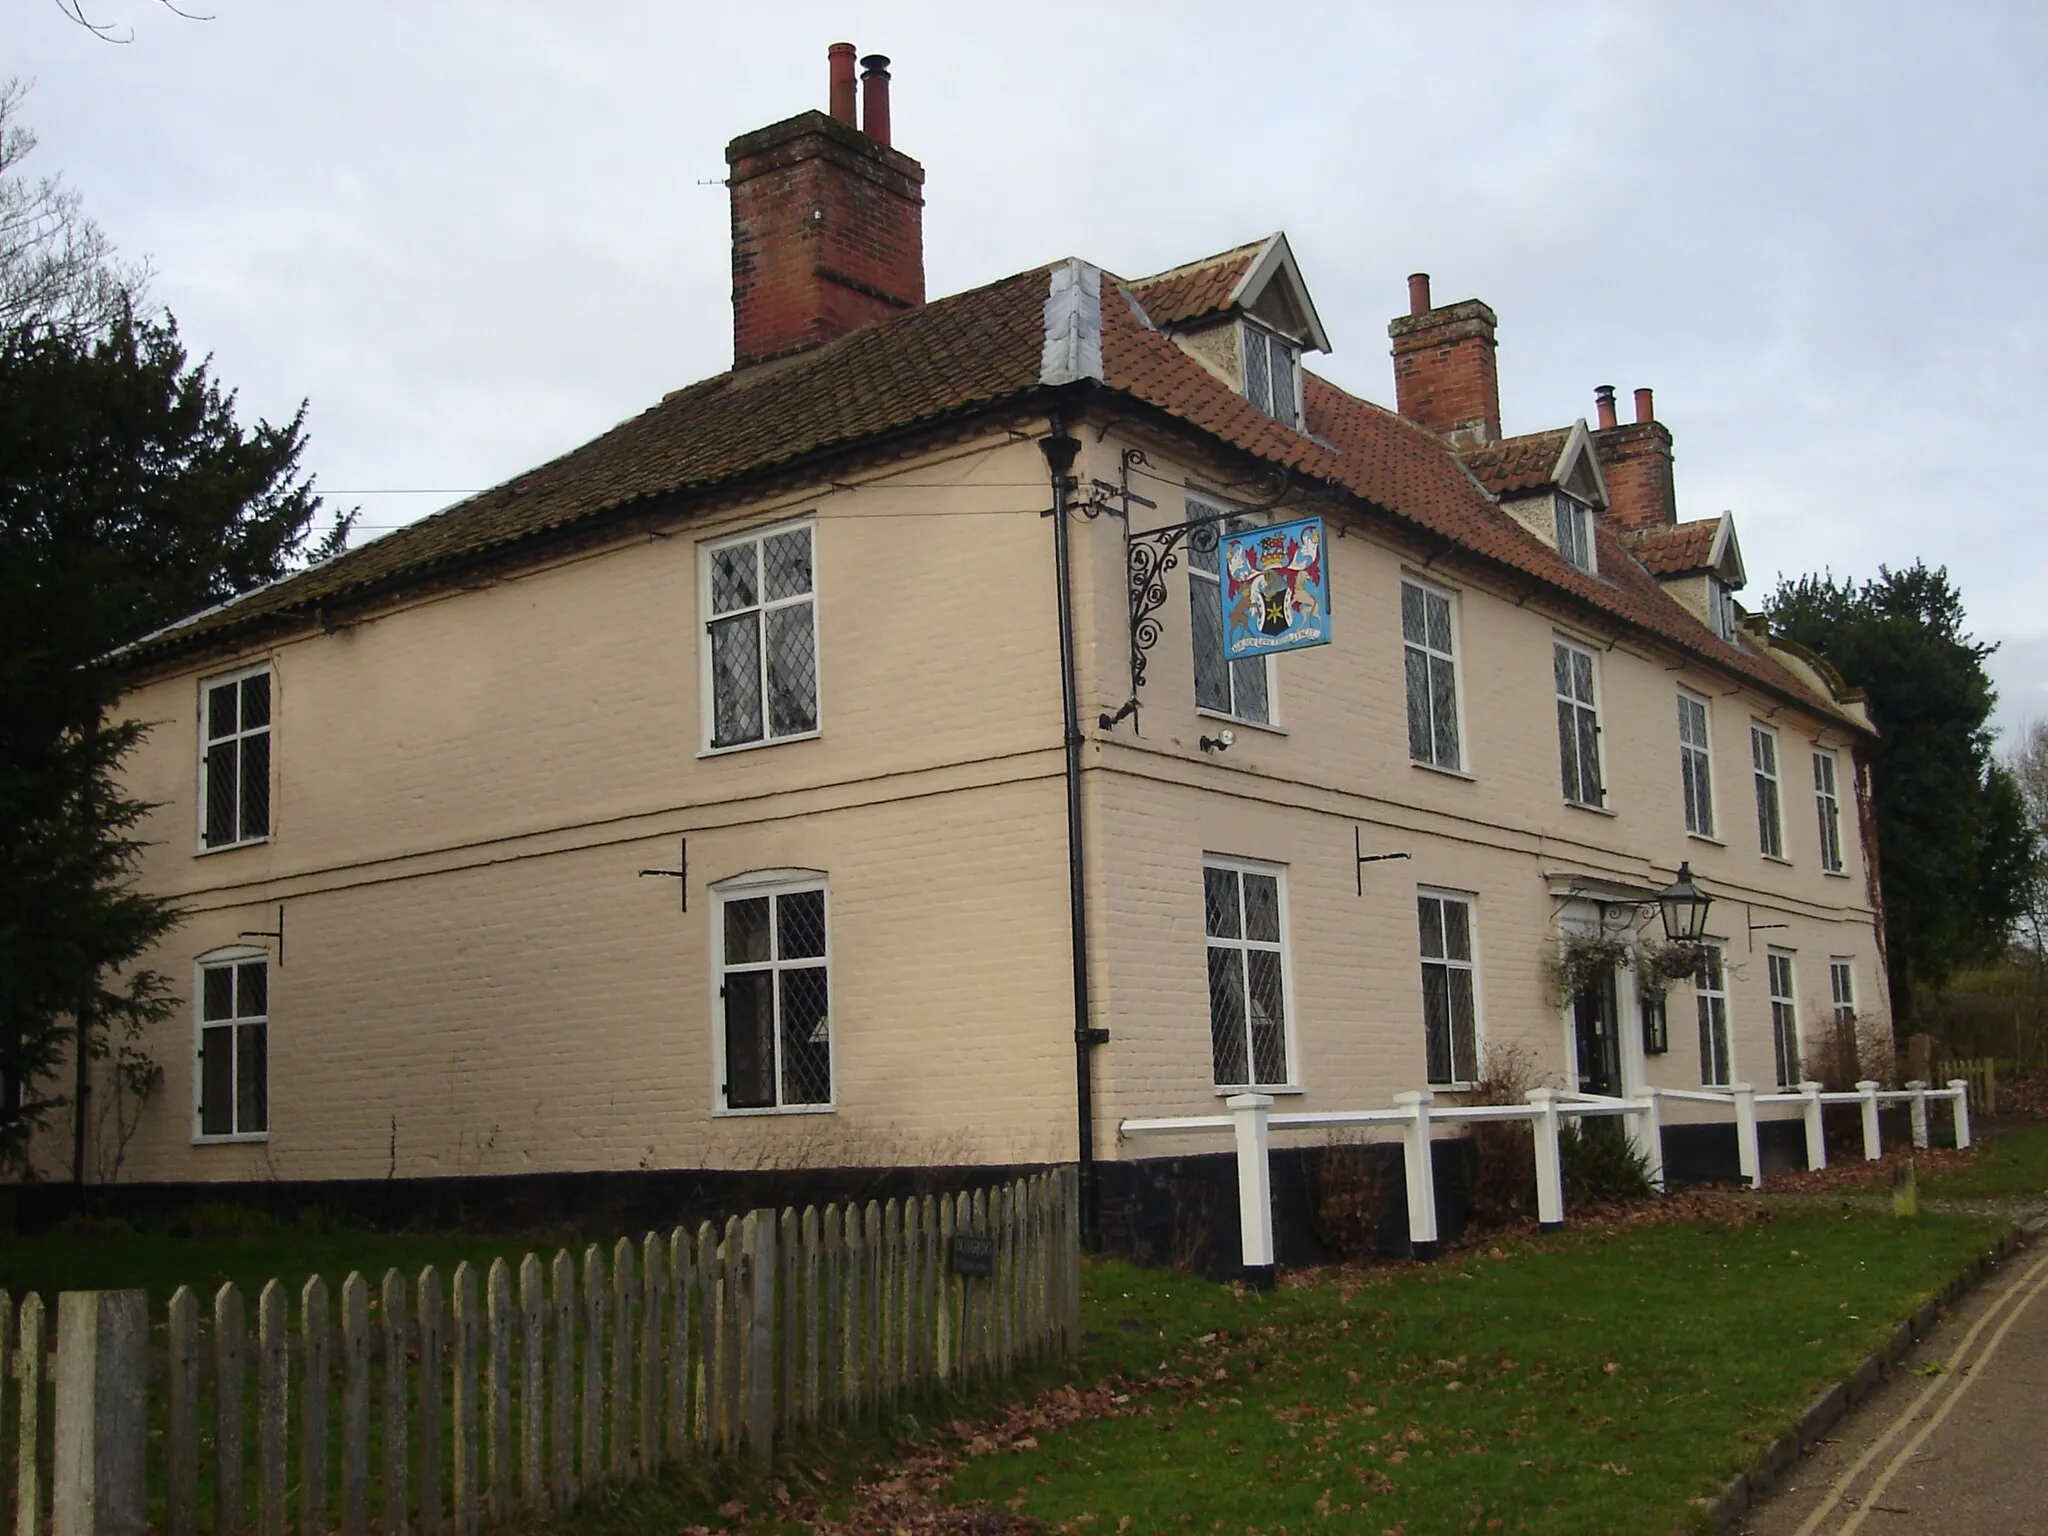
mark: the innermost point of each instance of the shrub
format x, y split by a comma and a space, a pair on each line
1503, 1151
1600, 1165
1350, 1199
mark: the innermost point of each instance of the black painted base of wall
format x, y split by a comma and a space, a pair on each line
584, 1205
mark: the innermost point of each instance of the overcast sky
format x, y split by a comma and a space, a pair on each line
474, 235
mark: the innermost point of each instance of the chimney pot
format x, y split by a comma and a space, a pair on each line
840, 65
1646, 406
1603, 402
874, 97
1418, 293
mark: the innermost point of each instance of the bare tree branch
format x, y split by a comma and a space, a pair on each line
109, 32
57, 267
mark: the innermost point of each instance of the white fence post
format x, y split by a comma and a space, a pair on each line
1962, 1093
1816, 1136
1421, 1176
1649, 1124
1549, 1164
1249, 1113
1746, 1156
1919, 1091
1873, 1138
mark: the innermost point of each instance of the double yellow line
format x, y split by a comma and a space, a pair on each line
1962, 1374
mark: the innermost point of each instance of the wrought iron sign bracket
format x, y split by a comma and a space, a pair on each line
1150, 554
1363, 858
276, 933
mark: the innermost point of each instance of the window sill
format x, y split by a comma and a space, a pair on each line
1706, 837
755, 746
1838, 874
1451, 1087
1250, 725
1597, 810
227, 1141
1777, 858
722, 1113
202, 851
1449, 773
1225, 1093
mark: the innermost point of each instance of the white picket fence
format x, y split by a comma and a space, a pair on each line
523, 1389
1251, 1122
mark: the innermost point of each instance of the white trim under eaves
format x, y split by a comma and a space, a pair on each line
1073, 325
1578, 444
1278, 256
1726, 555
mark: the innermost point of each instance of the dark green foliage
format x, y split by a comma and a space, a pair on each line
1600, 1165
1952, 841
129, 497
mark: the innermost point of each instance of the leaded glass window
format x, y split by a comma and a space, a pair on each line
1828, 806
1240, 689
1784, 1019
1710, 989
1578, 723
1431, 663
1270, 369
774, 995
235, 761
1770, 817
1695, 764
762, 637
234, 1047
1449, 1004
1574, 530
1241, 910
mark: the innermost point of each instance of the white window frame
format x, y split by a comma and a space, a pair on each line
1696, 765
1211, 583
1770, 790
1253, 335
1784, 990
1842, 987
1711, 1004
217, 959
1566, 508
1579, 648
1432, 658
1469, 900
267, 730
770, 883
1721, 606
1827, 803
707, 677
1290, 1074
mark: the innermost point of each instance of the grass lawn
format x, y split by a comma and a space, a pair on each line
51, 1262
1581, 1383
2011, 1165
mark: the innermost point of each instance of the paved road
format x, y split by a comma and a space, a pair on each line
1956, 1444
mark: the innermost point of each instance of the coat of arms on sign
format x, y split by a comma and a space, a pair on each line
1275, 589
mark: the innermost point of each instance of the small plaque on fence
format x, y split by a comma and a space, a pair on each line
974, 1256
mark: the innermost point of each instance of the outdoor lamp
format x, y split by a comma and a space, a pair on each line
1685, 908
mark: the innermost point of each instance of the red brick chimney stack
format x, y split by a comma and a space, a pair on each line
1636, 462
1444, 374
840, 57
827, 221
874, 97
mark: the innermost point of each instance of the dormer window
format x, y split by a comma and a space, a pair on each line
1575, 531
1272, 374
1721, 608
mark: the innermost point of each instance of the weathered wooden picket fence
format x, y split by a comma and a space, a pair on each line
1981, 1073
528, 1388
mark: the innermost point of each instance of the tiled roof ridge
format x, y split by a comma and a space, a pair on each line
1201, 263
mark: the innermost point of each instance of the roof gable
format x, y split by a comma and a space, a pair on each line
1705, 545
1261, 278
1561, 458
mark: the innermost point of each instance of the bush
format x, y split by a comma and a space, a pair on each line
1600, 1165
1350, 1200
1503, 1151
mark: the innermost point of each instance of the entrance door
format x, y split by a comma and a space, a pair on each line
1596, 1019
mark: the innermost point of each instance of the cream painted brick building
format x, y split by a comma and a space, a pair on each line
409, 799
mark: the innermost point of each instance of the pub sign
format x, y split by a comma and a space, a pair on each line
1276, 589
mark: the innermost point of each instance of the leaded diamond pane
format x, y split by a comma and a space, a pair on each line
1430, 918
1582, 677
1420, 745
1212, 673
252, 1078
1561, 669
1443, 702
221, 794
806, 1037
792, 671
220, 711
1258, 373
750, 1039
1219, 903
1414, 622
1226, 1015
217, 1080
1457, 930
1262, 908
256, 701
1282, 381
746, 931
1589, 758
1568, 748
252, 990
1268, 1016
800, 925
1249, 699
1464, 1045
736, 680
255, 786
1436, 1023
217, 993
786, 564
1439, 611
735, 582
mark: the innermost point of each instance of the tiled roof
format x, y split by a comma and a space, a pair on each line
1200, 288
1677, 550
950, 359
1517, 464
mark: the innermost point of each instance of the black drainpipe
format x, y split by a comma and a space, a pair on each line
1060, 452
